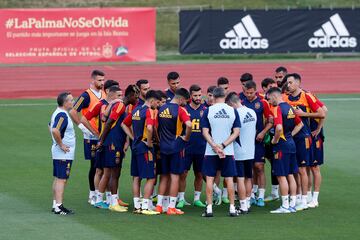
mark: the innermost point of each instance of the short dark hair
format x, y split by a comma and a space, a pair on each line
222, 80
182, 92
152, 94
161, 94
211, 89
96, 73
246, 77
281, 69
109, 83
114, 88
219, 92
296, 76
131, 89
172, 76
141, 82
274, 90
250, 84
61, 98
194, 88
232, 97
266, 82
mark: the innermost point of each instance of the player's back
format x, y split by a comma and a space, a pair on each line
170, 128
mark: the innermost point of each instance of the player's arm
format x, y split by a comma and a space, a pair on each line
116, 111
235, 131
269, 121
316, 110
278, 125
205, 129
150, 124
321, 120
126, 126
60, 124
185, 118
298, 126
75, 113
90, 115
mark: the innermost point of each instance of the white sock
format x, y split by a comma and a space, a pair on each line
181, 196
261, 193
209, 208
304, 200
166, 202
292, 201
54, 204
248, 202
114, 200
232, 208
91, 194
137, 203
316, 197
108, 197
216, 189
285, 201
197, 196
57, 205
99, 197
224, 193
172, 202
298, 198
243, 205
275, 190
145, 204
160, 200
309, 196
255, 188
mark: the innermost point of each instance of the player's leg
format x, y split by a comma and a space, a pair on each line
198, 181
61, 174
228, 171
182, 188
217, 191
209, 170
164, 171
90, 154
176, 169
99, 203
317, 183
260, 172
241, 190
248, 173
281, 170
255, 187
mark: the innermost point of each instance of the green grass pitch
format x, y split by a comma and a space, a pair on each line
26, 177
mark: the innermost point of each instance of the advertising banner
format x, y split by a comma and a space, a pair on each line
77, 35
272, 31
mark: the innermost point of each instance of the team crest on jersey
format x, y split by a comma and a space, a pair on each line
165, 114
117, 157
68, 169
136, 115
290, 114
257, 105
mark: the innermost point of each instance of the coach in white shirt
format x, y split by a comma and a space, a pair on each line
220, 127
244, 148
62, 149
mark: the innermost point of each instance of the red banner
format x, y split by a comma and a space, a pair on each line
77, 35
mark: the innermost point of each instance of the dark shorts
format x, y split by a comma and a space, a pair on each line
143, 165
259, 153
244, 168
269, 155
303, 151
284, 164
99, 160
317, 157
196, 160
89, 149
112, 157
62, 168
212, 164
172, 163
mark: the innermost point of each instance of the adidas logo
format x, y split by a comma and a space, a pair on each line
244, 35
290, 114
221, 114
165, 114
136, 115
332, 34
248, 118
